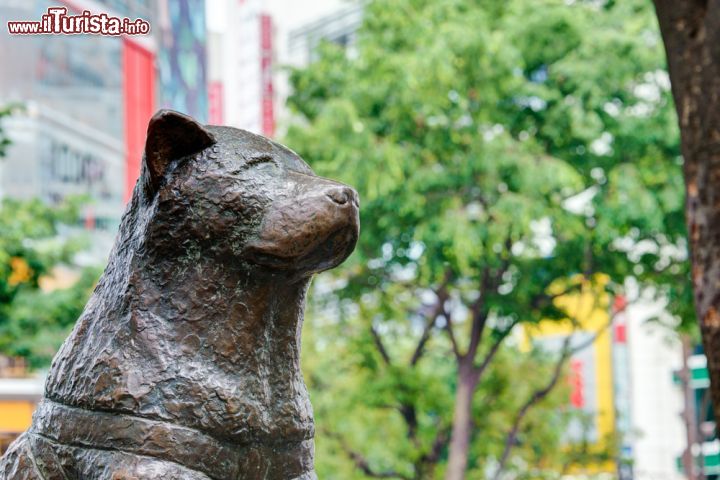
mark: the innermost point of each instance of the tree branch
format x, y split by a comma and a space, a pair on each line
361, 462
538, 395
432, 456
478, 315
429, 324
488, 283
377, 340
439, 307
409, 414
494, 348
451, 335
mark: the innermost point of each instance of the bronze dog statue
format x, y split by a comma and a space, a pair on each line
185, 362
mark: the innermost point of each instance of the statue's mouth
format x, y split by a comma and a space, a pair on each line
328, 253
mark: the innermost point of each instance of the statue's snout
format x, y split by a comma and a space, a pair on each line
315, 225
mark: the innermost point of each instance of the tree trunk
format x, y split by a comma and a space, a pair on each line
462, 421
691, 33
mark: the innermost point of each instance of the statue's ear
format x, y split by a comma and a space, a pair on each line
170, 136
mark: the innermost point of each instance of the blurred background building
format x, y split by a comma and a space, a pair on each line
83, 102
621, 379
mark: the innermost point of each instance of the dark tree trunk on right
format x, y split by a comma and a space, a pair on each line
691, 33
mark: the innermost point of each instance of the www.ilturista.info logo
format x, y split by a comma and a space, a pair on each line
57, 21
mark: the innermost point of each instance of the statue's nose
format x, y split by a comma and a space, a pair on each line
342, 194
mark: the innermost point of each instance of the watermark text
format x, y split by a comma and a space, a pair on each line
57, 21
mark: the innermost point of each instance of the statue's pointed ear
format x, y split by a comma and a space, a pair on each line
170, 136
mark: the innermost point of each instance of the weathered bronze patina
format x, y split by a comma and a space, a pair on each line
185, 362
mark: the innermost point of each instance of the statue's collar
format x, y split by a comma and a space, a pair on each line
191, 448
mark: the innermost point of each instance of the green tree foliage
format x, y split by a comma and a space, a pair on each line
34, 322
5, 111
499, 148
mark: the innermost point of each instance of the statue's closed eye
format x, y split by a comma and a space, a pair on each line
260, 159
257, 160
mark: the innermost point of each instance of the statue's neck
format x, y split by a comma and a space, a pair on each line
232, 314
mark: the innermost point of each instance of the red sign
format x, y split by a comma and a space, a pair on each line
138, 93
620, 333
215, 103
577, 394
266, 54
619, 304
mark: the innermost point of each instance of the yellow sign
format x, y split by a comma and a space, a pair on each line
588, 318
